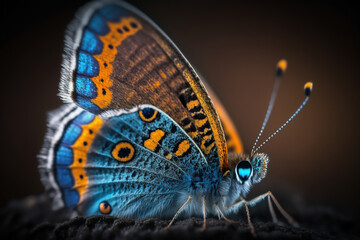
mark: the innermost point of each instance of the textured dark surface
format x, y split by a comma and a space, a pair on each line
32, 218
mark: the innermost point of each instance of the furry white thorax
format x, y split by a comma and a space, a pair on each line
230, 192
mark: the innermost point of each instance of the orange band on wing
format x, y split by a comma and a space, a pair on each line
80, 148
111, 41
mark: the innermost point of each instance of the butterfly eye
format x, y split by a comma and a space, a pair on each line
243, 171
105, 207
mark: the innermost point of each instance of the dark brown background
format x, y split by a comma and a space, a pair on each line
235, 46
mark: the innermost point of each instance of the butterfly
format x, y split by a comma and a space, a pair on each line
140, 135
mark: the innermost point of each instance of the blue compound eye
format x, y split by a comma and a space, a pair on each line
243, 171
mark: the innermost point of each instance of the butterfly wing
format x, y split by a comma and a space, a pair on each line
130, 165
116, 58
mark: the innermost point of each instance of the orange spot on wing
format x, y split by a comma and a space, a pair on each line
129, 96
123, 146
190, 105
154, 139
163, 75
182, 148
200, 123
156, 84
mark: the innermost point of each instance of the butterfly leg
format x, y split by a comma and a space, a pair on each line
243, 201
222, 215
204, 214
178, 212
270, 197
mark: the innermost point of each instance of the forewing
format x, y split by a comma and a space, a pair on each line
116, 58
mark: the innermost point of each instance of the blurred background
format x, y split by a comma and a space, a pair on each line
235, 46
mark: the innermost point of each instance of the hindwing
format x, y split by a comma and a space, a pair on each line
115, 166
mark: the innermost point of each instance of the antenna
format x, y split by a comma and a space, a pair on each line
280, 69
307, 89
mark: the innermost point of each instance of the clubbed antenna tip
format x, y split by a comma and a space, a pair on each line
308, 88
281, 67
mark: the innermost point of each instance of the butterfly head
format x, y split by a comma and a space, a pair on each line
248, 169
244, 171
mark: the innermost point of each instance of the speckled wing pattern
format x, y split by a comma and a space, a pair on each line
142, 154
117, 58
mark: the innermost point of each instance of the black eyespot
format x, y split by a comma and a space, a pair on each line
243, 171
148, 114
124, 152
